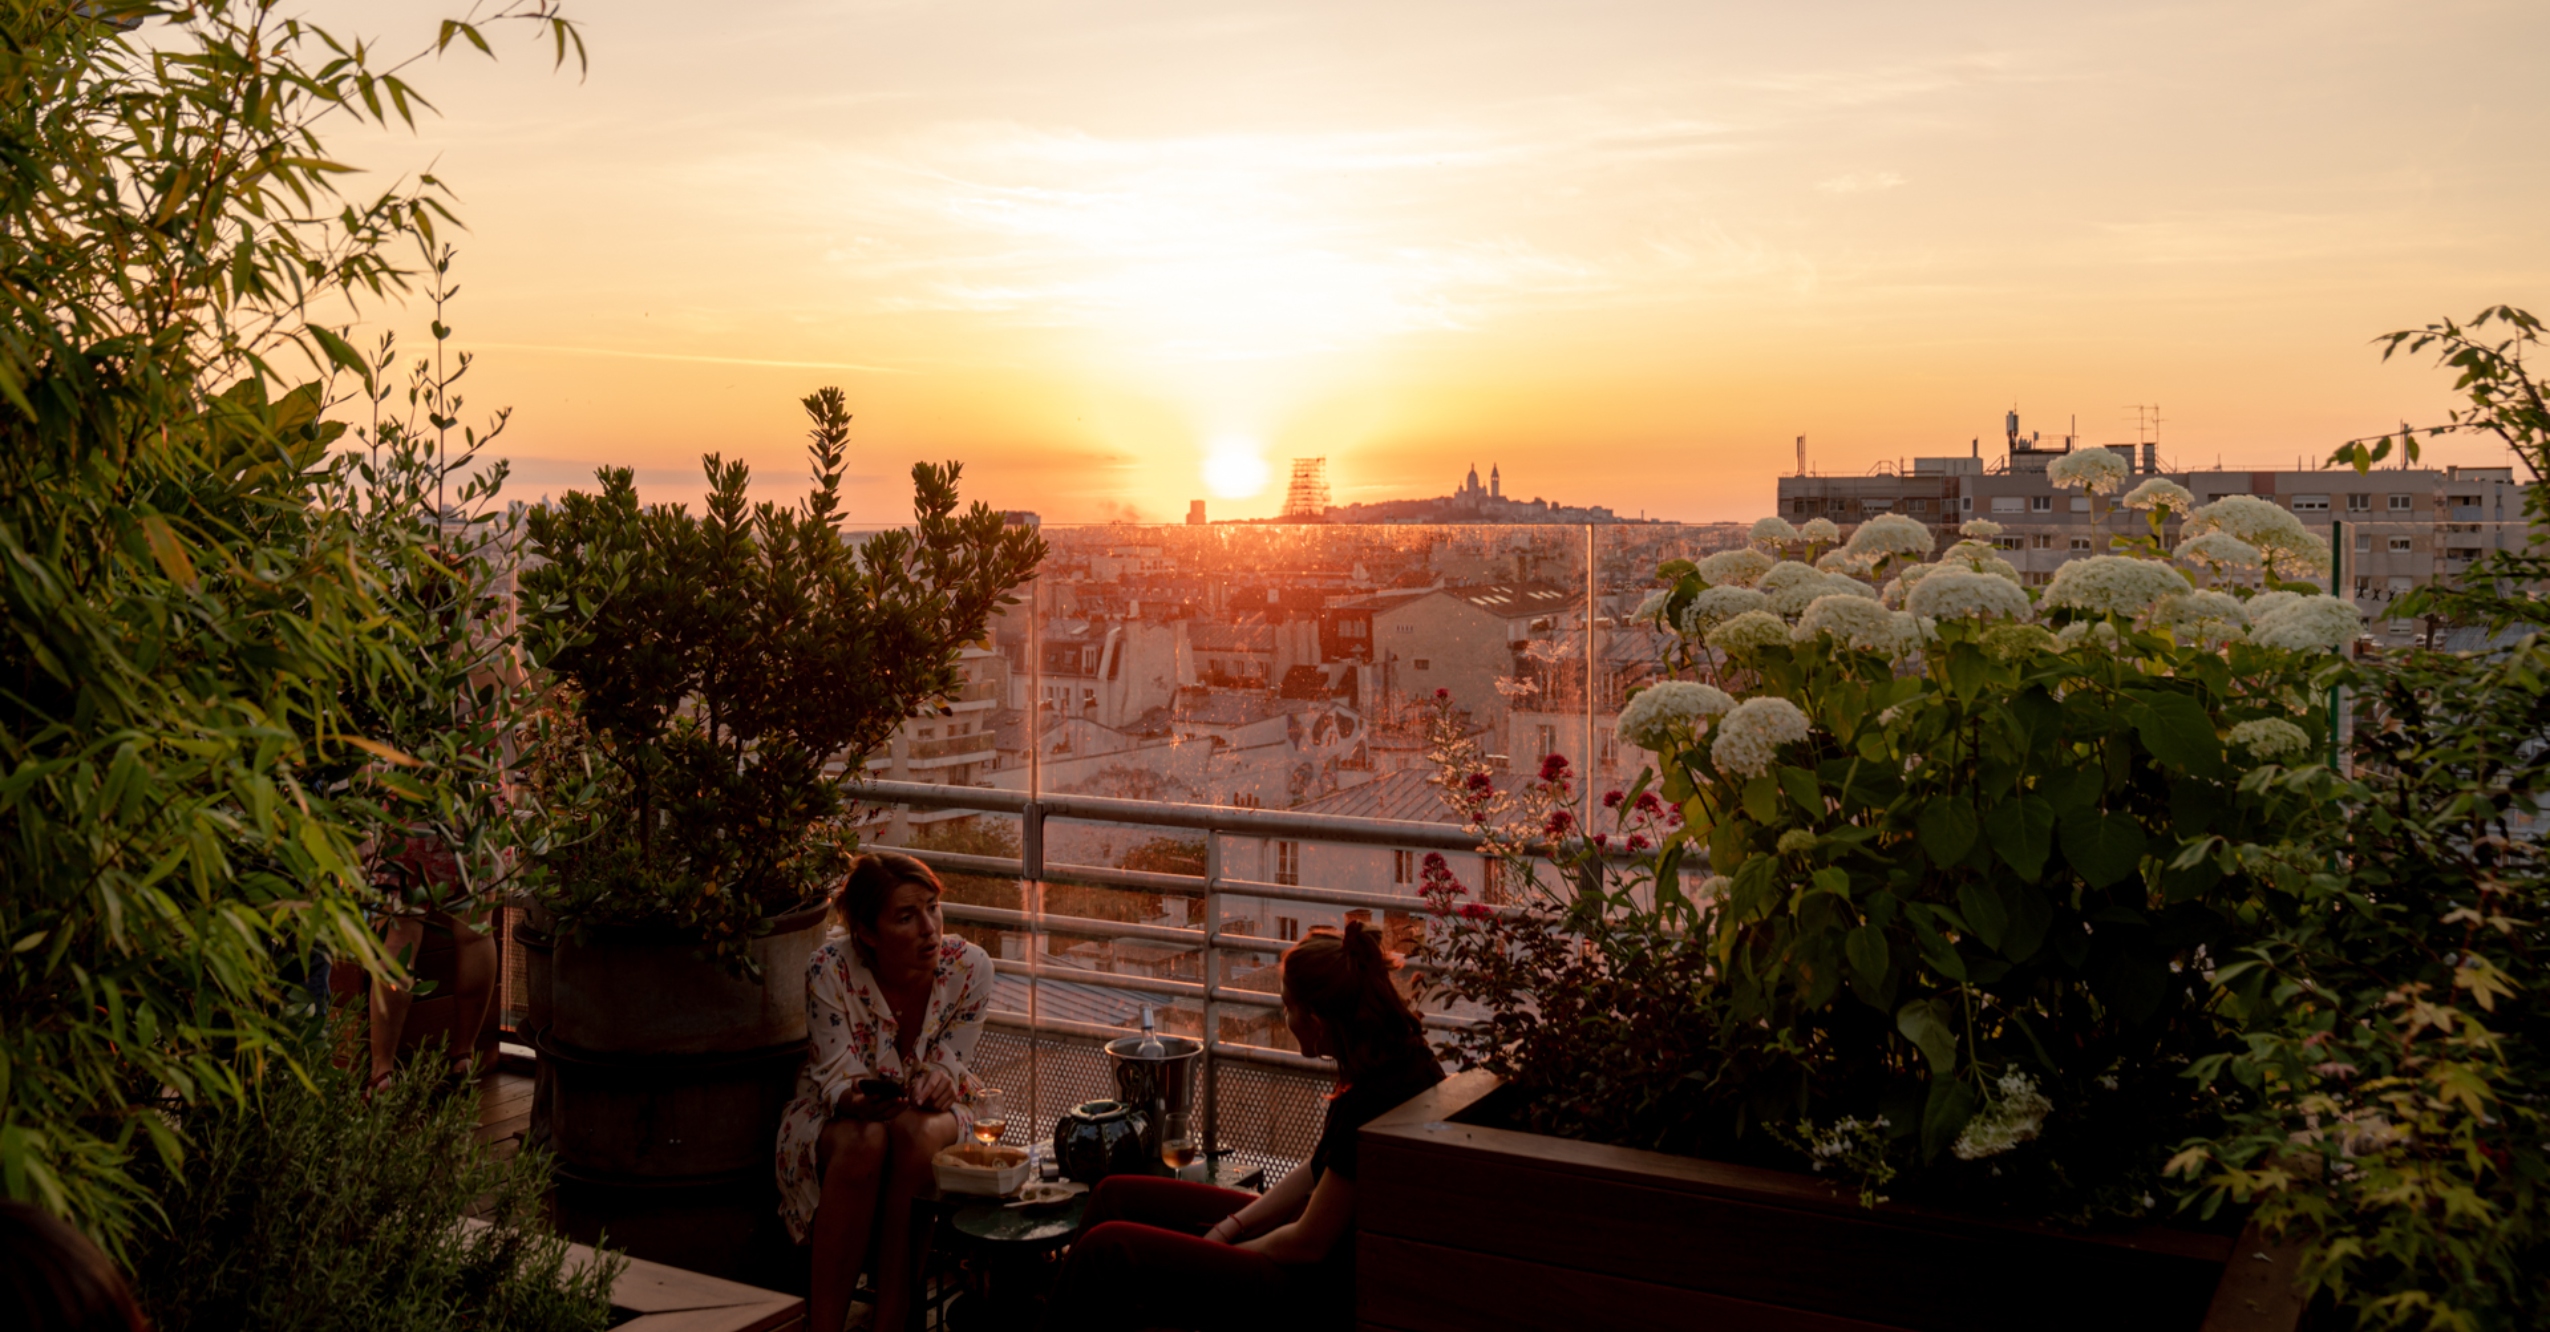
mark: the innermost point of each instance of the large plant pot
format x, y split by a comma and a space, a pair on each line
1466, 1226
665, 1080
633, 991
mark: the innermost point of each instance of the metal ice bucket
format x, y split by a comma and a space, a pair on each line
1158, 1086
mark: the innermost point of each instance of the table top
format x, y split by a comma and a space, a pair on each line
994, 1221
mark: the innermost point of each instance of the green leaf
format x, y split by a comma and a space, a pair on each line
2075, 788
2022, 832
1801, 788
1966, 671
2102, 847
1951, 1104
1762, 800
1927, 1028
1835, 880
2029, 917
2179, 732
1728, 847
1947, 829
1865, 947
1984, 913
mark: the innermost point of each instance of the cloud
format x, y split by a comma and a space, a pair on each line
1864, 182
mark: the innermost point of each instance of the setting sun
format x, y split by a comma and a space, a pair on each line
1235, 469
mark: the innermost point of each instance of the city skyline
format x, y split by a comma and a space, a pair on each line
1115, 259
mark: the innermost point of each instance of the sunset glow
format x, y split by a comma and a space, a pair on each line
1631, 250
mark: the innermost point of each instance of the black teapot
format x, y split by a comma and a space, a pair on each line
1096, 1139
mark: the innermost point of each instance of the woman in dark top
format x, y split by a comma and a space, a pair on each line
1170, 1253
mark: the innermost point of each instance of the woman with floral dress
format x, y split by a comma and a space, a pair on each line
889, 996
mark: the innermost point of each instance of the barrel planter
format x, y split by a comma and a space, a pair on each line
538, 947
666, 1078
1465, 1225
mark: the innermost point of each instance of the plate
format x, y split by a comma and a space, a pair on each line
1041, 1193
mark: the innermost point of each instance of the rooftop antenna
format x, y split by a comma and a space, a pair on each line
2147, 433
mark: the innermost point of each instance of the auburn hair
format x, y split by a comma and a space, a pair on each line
1342, 977
860, 899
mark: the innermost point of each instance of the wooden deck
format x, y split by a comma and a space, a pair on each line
504, 1110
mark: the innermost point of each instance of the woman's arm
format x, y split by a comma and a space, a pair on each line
952, 1052
1330, 1213
1273, 1208
835, 1063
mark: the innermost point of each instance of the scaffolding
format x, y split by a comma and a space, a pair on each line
1307, 499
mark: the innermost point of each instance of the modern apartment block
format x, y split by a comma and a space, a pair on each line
2404, 526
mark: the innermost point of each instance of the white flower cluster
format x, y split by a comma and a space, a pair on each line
2285, 544
1843, 562
1749, 737
2306, 624
1655, 711
2157, 492
2097, 470
1651, 606
2270, 737
1750, 630
1981, 558
1858, 621
2097, 633
2306, 558
2208, 616
1715, 606
2013, 1117
1713, 889
1891, 534
1773, 531
1819, 530
1960, 594
1734, 568
2218, 552
2112, 584
1984, 528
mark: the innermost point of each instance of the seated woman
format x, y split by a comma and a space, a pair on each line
1285, 1259
890, 997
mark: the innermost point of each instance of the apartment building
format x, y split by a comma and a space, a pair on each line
953, 744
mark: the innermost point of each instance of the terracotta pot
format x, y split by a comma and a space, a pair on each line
460, 963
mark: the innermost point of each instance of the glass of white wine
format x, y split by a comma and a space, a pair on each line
1178, 1145
989, 1121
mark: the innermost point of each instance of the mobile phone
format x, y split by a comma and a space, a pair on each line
880, 1089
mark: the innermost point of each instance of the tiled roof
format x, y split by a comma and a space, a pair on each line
1406, 794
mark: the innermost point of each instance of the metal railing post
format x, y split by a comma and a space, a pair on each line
1031, 869
1212, 986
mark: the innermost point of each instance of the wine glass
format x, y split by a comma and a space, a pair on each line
1178, 1146
990, 1122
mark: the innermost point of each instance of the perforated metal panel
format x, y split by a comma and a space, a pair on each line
1268, 1117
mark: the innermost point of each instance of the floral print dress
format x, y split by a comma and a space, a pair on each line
854, 1034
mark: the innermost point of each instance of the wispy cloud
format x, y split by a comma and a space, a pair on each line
1863, 182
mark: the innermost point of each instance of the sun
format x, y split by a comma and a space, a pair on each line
1234, 469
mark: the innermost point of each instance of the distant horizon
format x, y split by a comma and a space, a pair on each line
1114, 257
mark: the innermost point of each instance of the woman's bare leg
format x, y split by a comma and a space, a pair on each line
405, 935
853, 1158
917, 1137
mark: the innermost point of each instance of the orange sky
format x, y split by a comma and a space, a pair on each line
1104, 251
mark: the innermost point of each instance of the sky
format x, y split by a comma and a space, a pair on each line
1117, 255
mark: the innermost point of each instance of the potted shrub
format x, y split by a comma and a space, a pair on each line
721, 676
1917, 1053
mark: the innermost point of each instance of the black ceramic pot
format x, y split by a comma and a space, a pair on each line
1100, 1138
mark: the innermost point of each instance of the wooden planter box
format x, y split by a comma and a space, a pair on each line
1468, 1227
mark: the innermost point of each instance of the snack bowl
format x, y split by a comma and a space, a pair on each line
1043, 1193
1000, 1171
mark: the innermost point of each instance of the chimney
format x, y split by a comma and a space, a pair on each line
1195, 513
2151, 457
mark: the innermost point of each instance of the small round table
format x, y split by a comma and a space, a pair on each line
1011, 1252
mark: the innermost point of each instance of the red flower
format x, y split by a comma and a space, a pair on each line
1648, 804
1602, 840
1637, 842
1444, 695
1478, 782
1476, 911
1553, 767
1559, 822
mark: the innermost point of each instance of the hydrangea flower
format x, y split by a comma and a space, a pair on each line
1749, 738
1655, 711
1715, 606
1981, 558
1734, 568
1891, 534
2298, 555
1983, 528
1750, 630
1962, 594
1843, 562
2097, 470
1855, 620
1713, 888
1651, 606
1819, 530
2014, 1116
2307, 624
2112, 584
2157, 492
1901, 585
2256, 521
2097, 633
2270, 738
2011, 641
2217, 551
2265, 602
2209, 617
1796, 840
1773, 531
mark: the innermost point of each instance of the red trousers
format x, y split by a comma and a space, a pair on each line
1141, 1262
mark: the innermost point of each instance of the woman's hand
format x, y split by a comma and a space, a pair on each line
1227, 1230
933, 1090
868, 1109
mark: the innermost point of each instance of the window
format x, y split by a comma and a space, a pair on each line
2009, 504
2040, 541
2310, 504
1422, 664
2040, 504
1547, 739
2080, 543
1288, 864
2401, 584
2363, 543
1288, 928
1966, 502
2010, 542
1917, 506
2401, 545
1350, 628
2036, 579
2080, 504
2359, 504
1403, 628
1797, 506
1403, 867
2401, 503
